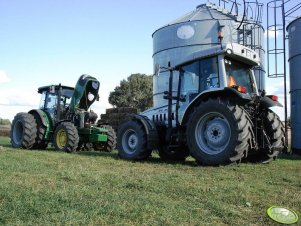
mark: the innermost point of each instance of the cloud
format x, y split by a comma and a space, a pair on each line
9, 112
276, 87
19, 98
3, 77
271, 32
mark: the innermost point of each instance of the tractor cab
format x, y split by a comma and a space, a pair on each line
216, 69
211, 74
58, 100
55, 100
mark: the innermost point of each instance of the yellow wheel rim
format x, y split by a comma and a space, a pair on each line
61, 139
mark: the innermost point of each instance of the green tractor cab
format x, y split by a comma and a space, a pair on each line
63, 119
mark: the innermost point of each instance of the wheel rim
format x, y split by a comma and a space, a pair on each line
212, 133
18, 131
130, 141
61, 139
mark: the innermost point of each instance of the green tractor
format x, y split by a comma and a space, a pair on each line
64, 120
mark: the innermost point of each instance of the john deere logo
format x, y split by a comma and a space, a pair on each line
282, 215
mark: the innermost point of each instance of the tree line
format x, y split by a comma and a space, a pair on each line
5, 122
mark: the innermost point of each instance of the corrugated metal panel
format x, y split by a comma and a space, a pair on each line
294, 31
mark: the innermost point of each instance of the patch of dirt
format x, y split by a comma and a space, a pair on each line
1, 148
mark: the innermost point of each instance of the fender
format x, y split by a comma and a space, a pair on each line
241, 98
45, 120
268, 102
43, 116
150, 129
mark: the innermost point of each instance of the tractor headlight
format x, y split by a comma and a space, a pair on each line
91, 97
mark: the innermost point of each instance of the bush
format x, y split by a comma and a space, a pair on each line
5, 121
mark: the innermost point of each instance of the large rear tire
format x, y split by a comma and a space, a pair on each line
218, 132
40, 143
23, 131
131, 141
275, 131
110, 145
66, 137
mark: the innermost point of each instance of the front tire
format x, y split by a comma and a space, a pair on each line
218, 132
66, 137
131, 141
110, 145
23, 131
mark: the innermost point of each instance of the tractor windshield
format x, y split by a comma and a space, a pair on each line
239, 74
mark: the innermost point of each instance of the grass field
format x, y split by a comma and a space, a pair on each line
52, 188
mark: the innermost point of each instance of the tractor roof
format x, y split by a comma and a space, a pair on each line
56, 87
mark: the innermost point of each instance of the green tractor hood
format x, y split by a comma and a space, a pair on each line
85, 93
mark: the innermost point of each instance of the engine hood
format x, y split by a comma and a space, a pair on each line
85, 93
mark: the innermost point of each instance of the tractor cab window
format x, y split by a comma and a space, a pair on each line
43, 100
239, 74
209, 74
66, 97
48, 101
199, 76
51, 104
191, 78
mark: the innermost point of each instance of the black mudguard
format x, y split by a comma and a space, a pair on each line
267, 102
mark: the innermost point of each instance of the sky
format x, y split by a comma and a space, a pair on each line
55, 41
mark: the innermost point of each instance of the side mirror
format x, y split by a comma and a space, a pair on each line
157, 70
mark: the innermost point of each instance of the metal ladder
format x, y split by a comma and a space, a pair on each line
278, 14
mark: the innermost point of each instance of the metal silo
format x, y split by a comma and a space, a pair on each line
199, 30
294, 33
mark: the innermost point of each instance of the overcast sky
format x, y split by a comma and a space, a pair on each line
55, 41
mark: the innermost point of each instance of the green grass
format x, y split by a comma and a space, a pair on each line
52, 188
